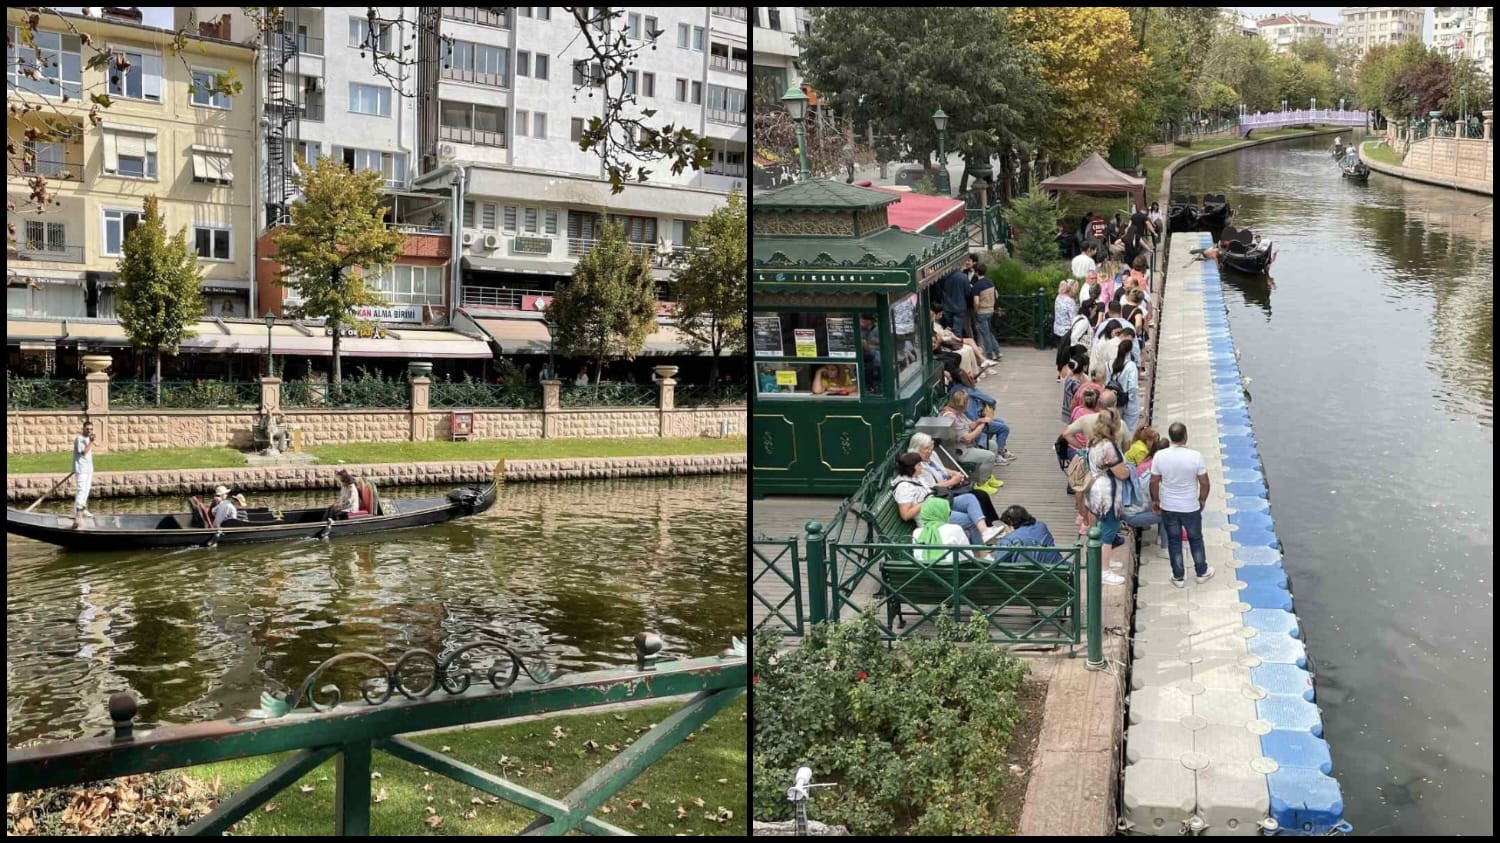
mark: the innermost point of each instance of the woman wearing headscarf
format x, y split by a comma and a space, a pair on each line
934, 531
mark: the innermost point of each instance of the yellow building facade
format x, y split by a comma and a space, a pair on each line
164, 132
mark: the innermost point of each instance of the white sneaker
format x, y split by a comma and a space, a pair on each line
1008, 455
1207, 575
1179, 583
992, 533
1111, 578
1116, 565
1002, 459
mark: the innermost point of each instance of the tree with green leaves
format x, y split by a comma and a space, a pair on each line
1033, 225
710, 284
608, 308
160, 290
337, 233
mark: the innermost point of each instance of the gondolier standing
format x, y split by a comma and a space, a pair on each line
83, 468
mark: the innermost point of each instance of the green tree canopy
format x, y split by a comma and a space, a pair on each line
160, 291
710, 285
608, 308
337, 232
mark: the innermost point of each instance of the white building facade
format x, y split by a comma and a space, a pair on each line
1363, 27
1282, 31
1465, 31
776, 52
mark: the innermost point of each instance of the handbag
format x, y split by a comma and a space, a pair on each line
951, 492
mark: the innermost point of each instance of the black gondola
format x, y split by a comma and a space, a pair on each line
1239, 251
190, 529
1359, 172
1338, 151
1215, 214
1182, 215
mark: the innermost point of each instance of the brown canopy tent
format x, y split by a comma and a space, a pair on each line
1095, 174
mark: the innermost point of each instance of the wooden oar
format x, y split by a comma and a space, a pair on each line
49, 491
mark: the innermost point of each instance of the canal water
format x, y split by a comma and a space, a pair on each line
573, 570
1371, 381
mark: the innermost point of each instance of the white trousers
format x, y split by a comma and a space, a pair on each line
85, 482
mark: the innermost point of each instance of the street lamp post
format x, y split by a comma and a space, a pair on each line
796, 107
551, 343
270, 365
940, 120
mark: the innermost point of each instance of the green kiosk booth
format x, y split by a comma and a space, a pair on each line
840, 333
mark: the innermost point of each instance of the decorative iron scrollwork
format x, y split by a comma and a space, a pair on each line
844, 444
447, 674
767, 443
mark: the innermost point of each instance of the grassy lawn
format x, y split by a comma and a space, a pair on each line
1156, 166
177, 458
1378, 151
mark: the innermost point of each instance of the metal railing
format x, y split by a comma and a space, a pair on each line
42, 252
580, 246
43, 393
710, 394
731, 12
446, 396
732, 170
184, 395
730, 65
478, 137
493, 80
349, 394
1024, 319
398, 700
733, 118
480, 15
608, 395
778, 557
306, 44
413, 228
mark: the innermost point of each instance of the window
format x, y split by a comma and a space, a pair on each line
57, 57
698, 38
369, 99
684, 32
211, 164
481, 125
523, 63
487, 216
549, 219
540, 70
391, 165
130, 152
46, 236
509, 218
697, 93
484, 16
140, 81
633, 26
212, 242
653, 29
478, 63
309, 150
523, 120
402, 284
202, 91
359, 35
469, 215
586, 74
529, 217
682, 90
631, 78
648, 84
726, 105
682, 231
538, 125
543, 13
773, 17
46, 158
577, 131
118, 224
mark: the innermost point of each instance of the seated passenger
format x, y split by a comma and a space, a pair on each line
935, 530
978, 460
1025, 530
348, 503
221, 509
911, 488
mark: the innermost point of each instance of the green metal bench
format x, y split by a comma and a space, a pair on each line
981, 583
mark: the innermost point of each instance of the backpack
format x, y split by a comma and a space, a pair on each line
1122, 397
1079, 476
1136, 509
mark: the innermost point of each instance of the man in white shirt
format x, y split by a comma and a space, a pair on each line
1084, 263
1179, 488
222, 509
83, 471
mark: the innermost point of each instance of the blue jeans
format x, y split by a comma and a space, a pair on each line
1173, 523
967, 514
987, 332
998, 432
957, 323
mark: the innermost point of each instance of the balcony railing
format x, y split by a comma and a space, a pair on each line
305, 44
412, 228
312, 111
733, 118
478, 137
731, 12
580, 246
40, 252
733, 170
507, 298
479, 15
729, 64
494, 80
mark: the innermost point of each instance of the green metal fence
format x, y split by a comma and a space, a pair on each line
608, 395
347, 395
393, 704
1024, 319
778, 558
43, 393
489, 395
710, 394
185, 395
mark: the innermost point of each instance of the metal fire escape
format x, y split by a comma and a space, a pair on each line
282, 113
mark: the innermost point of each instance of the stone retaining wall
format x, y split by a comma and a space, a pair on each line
1460, 159
200, 481
31, 432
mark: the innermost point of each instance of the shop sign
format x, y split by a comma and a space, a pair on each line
531, 246
400, 313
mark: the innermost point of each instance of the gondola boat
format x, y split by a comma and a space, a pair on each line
1338, 152
1238, 251
190, 529
1215, 214
1359, 172
1182, 214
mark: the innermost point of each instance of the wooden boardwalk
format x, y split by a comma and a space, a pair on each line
1029, 399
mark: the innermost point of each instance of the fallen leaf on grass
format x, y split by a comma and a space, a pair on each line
427, 788
305, 788
723, 816
638, 805
698, 801
723, 781
382, 796
551, 744
619, 717
606, 810
688, 739
429, 809
445, 749
557, 732
470, 814
270, 807
612, 747
374, 776
591, 746
475, 800
433, 821
681, 812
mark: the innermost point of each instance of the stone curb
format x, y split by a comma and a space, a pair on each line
1468, 185
198, 481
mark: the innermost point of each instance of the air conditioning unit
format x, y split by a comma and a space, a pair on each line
468, 238
491, 241
445, 152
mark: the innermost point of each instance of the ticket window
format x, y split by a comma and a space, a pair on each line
817, 354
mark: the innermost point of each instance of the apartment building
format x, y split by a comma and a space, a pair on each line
1234, 21
1363, 27
1465, 31
776, 52
1282, 31
164, 133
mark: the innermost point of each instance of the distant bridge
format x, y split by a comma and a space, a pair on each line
1325, 116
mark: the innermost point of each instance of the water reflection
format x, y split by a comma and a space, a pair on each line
576, 568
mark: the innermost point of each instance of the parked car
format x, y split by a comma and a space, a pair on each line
910, 175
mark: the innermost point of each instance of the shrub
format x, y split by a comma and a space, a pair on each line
1013, 279
1033, 224
913, 733
925, 186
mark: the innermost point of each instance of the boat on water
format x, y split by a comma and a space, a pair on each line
1182, 214
1215, 213
1359, 172
1238, 250
192, 528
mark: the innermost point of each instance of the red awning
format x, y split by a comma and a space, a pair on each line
915, 212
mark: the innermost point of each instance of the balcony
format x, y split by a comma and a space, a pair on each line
312, 110
729, 65
480, 15
308, 45
580, 246
42, 252
732, 170
731, 12
733, 118
478, 137
493, 80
